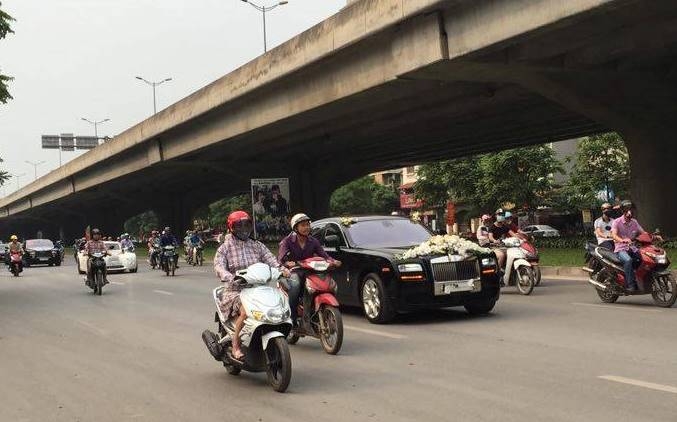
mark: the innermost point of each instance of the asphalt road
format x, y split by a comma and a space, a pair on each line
135, 353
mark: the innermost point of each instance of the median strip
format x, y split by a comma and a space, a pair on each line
638, 383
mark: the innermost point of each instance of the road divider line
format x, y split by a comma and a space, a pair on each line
164, 292
374, 332
629, 308
639, 383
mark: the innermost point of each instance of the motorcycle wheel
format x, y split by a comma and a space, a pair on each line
664, 290
232, 370
606, 296
172, 267
15, 271
293, 339
98, 287
331, 336
525, 280
165, 267
537, 274
200, 259
279, 364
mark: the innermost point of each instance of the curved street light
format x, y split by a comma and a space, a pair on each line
154, 85
264, 10
96, 123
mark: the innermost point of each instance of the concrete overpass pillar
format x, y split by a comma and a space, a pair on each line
310, 193
176, 213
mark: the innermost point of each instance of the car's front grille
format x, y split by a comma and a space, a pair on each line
452, 271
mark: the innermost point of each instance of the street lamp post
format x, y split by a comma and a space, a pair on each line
264, 10
17, 176
154, 85
35, 167
96, 124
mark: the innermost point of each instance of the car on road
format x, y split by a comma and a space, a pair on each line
374, 276
41, 251
541, 230
117, 260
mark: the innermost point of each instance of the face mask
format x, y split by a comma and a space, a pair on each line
607, 213
242, 231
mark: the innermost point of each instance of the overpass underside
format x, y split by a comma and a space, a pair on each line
457, 78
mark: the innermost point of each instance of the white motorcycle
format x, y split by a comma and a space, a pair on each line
263, 337
518, 271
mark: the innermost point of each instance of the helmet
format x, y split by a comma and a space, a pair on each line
240, 224
606, 206
298, 218
627, 204
168, 229
499, 211
13, 237
96, 231
485, 217
125, 235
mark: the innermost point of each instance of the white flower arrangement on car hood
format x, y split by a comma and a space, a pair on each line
445, 245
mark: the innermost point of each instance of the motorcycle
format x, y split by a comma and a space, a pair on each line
197, 256
319, 312
98, 268
263, 336
531, 255
167, 260
153, 255
518, 270
652, 272
15, 263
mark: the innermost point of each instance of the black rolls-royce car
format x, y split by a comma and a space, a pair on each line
41, 251
374, 278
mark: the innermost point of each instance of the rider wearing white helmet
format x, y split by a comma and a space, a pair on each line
297, 246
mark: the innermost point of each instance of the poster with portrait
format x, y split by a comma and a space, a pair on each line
270, 208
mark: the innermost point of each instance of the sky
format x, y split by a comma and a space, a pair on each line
79, 58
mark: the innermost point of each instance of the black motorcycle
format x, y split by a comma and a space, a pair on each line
168, 260
98, 268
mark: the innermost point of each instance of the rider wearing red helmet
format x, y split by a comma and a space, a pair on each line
238, 252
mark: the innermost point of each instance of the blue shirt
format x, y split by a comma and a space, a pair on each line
168, 240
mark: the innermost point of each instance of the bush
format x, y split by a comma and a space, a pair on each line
572, 242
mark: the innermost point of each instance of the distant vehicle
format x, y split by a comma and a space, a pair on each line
116, 260
41, 251
4, 247
541, 230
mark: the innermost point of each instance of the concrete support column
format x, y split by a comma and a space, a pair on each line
310, 193
176, 213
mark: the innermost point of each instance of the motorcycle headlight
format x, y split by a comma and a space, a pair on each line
277, 315
488, 262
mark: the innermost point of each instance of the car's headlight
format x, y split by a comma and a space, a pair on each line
410, 268
488, 262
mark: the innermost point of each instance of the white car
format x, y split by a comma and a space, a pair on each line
541, 230
117, 260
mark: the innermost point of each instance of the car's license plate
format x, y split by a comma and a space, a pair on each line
449, 287
42, 258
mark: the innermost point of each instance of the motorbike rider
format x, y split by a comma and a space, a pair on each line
95, 245
497, 232
623, 230
483, 230
194, 241
153, 246
14, 246
297, 246
238, 252
126, 242
602, 227
168, 239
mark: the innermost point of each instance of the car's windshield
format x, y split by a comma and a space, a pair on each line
39, 243
112, 246
389, 232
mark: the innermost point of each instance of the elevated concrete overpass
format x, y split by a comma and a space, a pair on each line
386, 83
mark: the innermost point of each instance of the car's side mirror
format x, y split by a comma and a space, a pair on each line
332, 241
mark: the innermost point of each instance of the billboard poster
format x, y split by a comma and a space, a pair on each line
270, 203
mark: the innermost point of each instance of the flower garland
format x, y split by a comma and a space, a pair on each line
445, 245
348, 221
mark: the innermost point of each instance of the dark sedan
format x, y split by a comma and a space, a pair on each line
41, 251
374, 277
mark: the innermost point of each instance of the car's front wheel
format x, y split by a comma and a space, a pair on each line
480, 307
376, 305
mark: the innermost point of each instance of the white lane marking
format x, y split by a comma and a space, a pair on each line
164, 292
629, 308
374, 332
92, 327
119, 283
638, 383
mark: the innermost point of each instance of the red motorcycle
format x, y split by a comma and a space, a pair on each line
15, 263
651, 272
531, 255
319, 314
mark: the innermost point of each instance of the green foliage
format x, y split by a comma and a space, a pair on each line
218, 211
363, 196
572, 242
601, 161
4, 176
142, 223
5, 28
522, 176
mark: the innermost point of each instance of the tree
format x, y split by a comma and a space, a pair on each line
522, 176
363, 196
5, 28
142, 223
218, 211
601, 168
